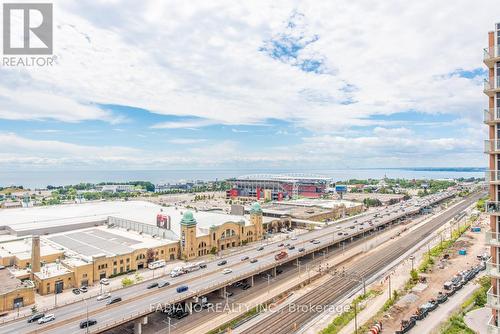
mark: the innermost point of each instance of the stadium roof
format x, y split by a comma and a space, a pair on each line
289, 177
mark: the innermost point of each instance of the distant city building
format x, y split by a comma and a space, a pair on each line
492, 148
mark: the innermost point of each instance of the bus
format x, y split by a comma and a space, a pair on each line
157, 264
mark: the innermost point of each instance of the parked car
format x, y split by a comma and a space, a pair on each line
316, 242
87, 323
260, 248
281, 245
227, 271
182, 288
229, 294
104, 296
35, 317
76, 291
279, 271
152, 285
244, 258
246, 286
104, 281
253, 260
221, 263
203, 266
162, 284
84, 289
441, 298
46, 318
114, 300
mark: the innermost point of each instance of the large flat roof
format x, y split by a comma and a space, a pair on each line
62, 217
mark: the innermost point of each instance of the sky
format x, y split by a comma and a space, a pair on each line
255, 84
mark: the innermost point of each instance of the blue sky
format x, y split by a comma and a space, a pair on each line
221, 84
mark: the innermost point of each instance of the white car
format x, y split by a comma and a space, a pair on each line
227, 271
104, 296
293, 238
104, 281
46, 318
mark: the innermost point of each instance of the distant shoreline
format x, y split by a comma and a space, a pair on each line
41, 179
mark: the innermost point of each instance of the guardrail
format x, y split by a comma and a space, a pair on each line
335, 240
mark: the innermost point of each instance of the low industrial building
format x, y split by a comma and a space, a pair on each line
77, 245
319, 210
14, 293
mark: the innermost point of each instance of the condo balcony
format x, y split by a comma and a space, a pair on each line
493, 326
491, 55
491, 115
492, 146
492, 176
492, 299
492, 85
493, 238
492, 269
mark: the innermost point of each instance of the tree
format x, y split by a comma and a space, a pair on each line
138, 277
127, 281
34, 309
213, 251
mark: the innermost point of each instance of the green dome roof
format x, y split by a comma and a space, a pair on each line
188, 219
255, 209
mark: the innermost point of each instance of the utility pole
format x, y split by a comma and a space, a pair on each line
87, 307
412, 258
355, 318
390, 292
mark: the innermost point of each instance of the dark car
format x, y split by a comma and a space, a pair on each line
441, 298
291, 247
76, 291
35, 317
253, 260
114, 300
162, 284
229, 294
281, 245
181, 314
221, 263
246, 286
152, 285
301, 250
260, 248
244, 258
203, 266
279, 271
87, 323
182, 288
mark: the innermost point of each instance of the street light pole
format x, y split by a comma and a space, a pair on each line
87, 307
355, 318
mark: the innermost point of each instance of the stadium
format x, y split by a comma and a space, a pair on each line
277, 187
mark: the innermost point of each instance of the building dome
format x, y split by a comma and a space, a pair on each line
255, 209
188, 219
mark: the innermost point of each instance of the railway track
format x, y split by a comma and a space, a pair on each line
288, 320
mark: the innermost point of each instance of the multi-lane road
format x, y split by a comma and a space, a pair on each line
289, 320
137, 300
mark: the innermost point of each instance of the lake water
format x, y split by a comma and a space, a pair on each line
40, 179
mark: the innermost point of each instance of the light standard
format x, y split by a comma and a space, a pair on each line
168, 322
87, 308
412, 258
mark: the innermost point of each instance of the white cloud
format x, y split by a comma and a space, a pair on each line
202, 59
186, 141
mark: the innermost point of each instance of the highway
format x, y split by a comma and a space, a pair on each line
289, 320
137, 300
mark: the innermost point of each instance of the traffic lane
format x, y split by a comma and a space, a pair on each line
195, 285
320, 234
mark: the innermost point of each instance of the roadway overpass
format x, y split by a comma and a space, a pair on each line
137, 300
